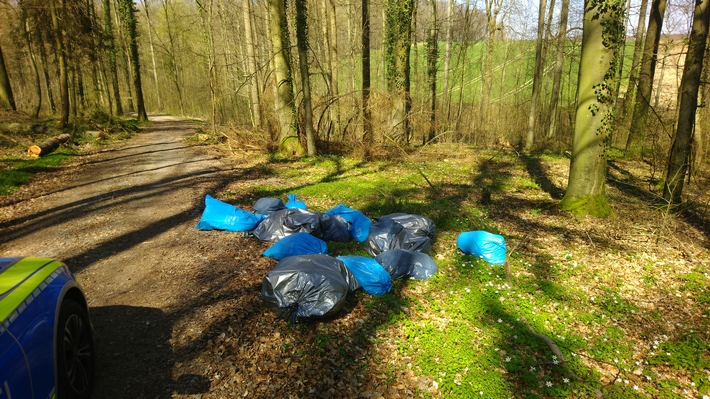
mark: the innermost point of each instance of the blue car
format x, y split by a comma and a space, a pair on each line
46, 343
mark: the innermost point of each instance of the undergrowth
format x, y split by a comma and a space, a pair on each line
476, 329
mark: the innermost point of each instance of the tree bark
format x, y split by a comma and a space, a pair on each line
173, 58
26, 35
638, 50
128, 11
111, 50
446, 97
45, 72
205, 11
289, 144
61, 56
679, 160
302, 44
586, 191
334, 61
255, 99
367, 133
398, 33
7, 100
537, 77
559, 63
47, 146
432, 59
639, 121
152, 55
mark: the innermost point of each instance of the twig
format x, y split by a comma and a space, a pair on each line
558, 353
410, 161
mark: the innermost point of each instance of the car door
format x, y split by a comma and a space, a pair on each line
15, 380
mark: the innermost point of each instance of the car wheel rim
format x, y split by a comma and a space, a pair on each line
77, 353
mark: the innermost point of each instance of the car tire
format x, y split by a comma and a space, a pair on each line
75, 352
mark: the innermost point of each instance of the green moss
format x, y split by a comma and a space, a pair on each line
592, 205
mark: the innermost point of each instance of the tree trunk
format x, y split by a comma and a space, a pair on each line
537, 77
125, 55
7, 100
679, 160
638, 50
152, 54
47, 146
334, 62
586, 192
398, 35
302, 44
446, 98
45, 71
111, 49
255, 99
559, 63
61, 56
205, 10
26, 35
367, 133
639, 124
173, 58
432, 59
128, 11
289, 144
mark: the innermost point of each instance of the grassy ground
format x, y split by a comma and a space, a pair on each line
624, 300
616, 307
19, 131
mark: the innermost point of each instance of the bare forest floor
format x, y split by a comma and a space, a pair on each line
177, 311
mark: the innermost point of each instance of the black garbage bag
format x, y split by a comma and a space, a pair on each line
289, 221
415, 225
400, 230
333, 228
267, 206
285, 222
402, 263
307, 286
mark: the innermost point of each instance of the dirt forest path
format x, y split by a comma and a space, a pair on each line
123, 220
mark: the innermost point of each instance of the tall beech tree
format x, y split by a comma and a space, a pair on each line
128, 14
289, 143
639, 120
110, 45
559, 63
62, 61
679, 160
602, 36
7, 100
398, 40
537, 77
367, 133
302, 44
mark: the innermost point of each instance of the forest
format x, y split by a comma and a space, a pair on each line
300, 77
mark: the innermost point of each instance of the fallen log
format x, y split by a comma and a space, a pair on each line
48, 146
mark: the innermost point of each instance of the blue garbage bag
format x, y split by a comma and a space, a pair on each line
359, 223
401, 263
372, 277
488, 246
219, 215
294, 203
296, 244
267, 206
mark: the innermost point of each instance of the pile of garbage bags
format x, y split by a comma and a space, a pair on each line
307, 282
